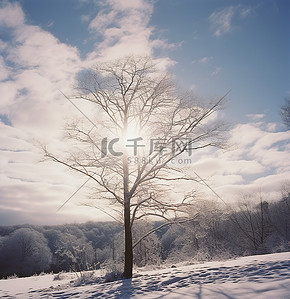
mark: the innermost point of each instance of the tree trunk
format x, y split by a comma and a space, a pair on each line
128, 266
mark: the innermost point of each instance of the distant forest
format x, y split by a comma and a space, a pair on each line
215, 232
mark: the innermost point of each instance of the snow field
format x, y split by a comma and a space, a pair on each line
263, 276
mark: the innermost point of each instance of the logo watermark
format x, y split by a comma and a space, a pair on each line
155, 161
156, 145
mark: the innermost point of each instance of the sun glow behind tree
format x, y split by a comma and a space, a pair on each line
141, 125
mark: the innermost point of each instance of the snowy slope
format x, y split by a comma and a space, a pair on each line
264, 276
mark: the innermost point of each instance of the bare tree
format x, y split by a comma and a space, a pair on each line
253, 221
285, 112
131, 152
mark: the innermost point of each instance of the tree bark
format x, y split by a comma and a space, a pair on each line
128, 266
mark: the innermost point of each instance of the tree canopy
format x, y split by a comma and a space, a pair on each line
139, 125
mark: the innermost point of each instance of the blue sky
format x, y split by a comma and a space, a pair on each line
249, 55
211, 47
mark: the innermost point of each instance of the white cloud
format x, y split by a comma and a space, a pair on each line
31, 188
35, 64
102, 21
222, 166
222, 21
4, 70
255, 116
245, 11
11, 15
271, 127
39, 65
132, 4
123, 27
85, 18
244, 135
193, 88
216, 71
203, 60
2, 45
259, 160
162, 44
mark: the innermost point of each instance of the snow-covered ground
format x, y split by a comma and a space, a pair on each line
264, 276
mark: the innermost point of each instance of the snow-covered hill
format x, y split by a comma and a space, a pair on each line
264, 276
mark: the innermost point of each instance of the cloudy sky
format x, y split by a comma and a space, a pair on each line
211, 47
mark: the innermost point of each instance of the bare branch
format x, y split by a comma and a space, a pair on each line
159, 227
131, 97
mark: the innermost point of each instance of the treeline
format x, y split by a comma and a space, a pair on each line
26, 249
215, 232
